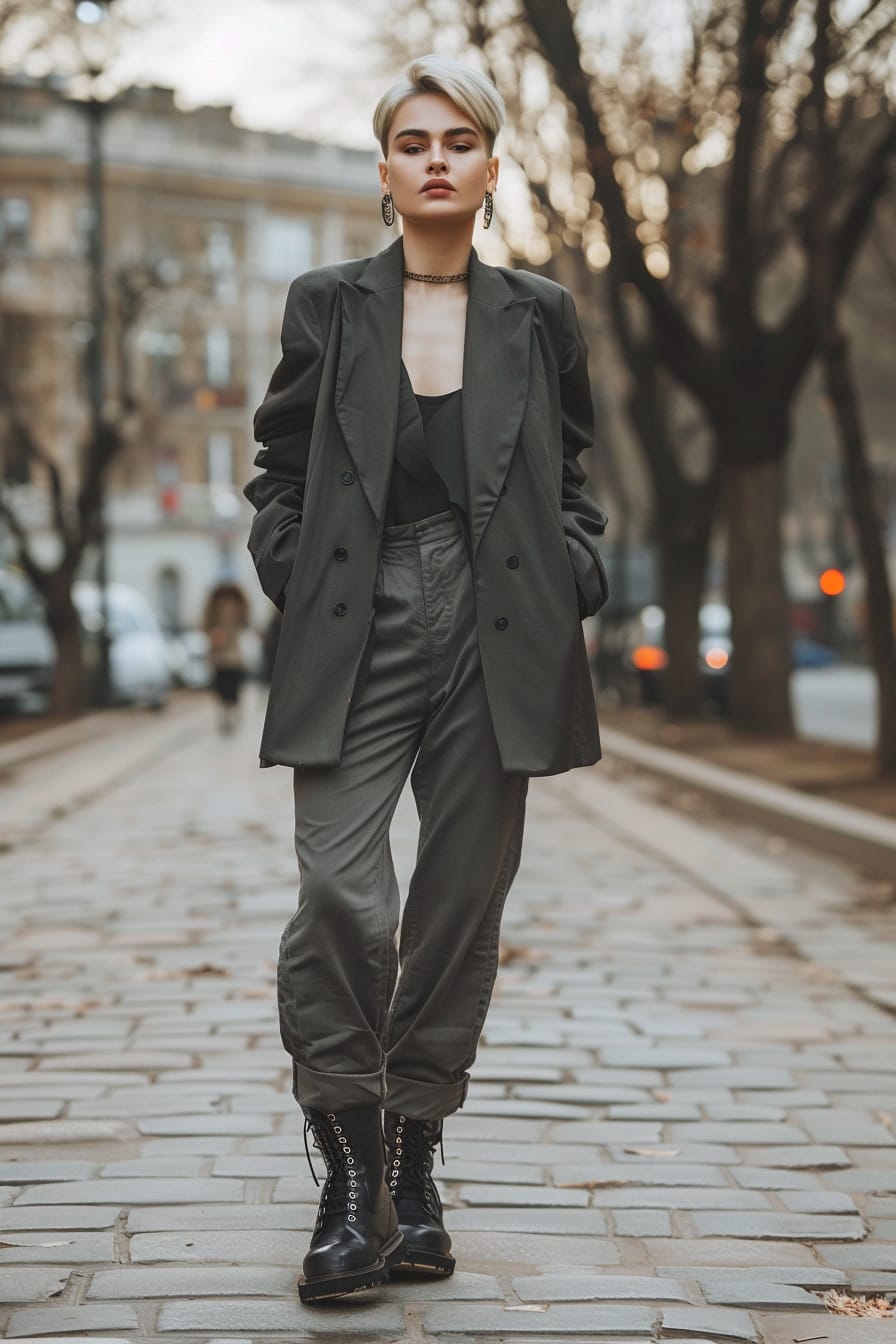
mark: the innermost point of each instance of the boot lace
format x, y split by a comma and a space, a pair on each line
413, 1145
340, 1190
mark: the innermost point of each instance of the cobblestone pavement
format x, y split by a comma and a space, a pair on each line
681, 1124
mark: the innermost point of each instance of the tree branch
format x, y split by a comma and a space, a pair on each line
688, 357
794, 344
20, 539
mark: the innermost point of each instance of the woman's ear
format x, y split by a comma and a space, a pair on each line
491, 173
384, 177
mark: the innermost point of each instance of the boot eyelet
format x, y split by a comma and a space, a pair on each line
352, 1218
330, 1116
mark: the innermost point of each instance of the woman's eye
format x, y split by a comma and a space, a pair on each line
464, 147
412, 149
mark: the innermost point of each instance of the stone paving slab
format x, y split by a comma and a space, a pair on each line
21, 1284
598, 1287
680, 1124
65, 1247
56, 1320
582, 1322
278, 1315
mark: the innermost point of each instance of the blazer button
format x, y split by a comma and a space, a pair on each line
347, 478
501, 623
340, 609
340, 553
513, 562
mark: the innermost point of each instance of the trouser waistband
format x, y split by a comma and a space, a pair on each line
434, 528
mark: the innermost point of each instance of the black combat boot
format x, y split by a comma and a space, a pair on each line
356, 1235
410, 1147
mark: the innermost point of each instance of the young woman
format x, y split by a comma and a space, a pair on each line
422, 524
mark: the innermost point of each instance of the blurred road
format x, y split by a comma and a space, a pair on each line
682, 1117
836, 704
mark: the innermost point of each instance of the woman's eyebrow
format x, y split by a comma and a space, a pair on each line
424, 135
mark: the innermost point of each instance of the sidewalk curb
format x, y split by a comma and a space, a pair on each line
838, 829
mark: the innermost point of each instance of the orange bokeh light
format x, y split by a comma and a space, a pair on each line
649, 658
832, 582
716, 659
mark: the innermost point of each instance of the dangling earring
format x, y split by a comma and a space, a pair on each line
488, 211
388, 210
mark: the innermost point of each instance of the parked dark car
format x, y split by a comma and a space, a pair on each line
648, 657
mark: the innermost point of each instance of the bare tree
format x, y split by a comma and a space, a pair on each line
72, 500
731, 123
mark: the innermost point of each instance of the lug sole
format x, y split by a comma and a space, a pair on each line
333, 1286
423, 1262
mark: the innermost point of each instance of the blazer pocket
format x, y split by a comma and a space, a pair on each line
590, 576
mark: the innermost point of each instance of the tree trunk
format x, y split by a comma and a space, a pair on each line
68, 693
760, 628
683, 561
860, 493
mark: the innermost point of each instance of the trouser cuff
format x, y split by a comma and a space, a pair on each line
424, 1101
336, 1091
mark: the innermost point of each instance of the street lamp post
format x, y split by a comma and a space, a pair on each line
91, 14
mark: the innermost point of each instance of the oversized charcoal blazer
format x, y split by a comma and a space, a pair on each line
328, 426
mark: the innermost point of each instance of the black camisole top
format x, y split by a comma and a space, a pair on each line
428, 474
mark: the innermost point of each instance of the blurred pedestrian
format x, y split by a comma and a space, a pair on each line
422, 524
225, 622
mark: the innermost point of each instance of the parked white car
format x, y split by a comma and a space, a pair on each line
138, 656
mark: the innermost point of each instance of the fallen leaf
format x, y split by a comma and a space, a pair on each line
653, 1152
842, 1304
6, 1245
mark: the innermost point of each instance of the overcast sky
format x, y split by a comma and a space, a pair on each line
276, 61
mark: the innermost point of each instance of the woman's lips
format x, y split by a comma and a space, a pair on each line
438, 186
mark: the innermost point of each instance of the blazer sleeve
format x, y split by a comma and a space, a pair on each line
583, 521
283, 424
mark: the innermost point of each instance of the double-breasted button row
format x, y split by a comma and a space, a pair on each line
501, 623
347, 478
340, 553
340, 609
513, 562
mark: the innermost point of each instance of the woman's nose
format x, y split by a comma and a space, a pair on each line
436, 164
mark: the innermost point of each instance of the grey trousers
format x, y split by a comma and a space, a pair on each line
363, 1023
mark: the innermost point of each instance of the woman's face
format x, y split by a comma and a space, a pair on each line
438, 168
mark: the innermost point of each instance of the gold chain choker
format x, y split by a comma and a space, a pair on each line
436, 279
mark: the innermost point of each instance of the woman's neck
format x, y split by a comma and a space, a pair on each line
432, 251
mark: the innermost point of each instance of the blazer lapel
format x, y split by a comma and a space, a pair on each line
496, 379
496, 388
367, 379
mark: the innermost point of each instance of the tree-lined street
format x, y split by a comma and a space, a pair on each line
681, 1123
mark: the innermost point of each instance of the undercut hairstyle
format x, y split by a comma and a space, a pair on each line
473, 92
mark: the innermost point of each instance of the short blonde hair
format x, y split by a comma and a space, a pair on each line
473, 92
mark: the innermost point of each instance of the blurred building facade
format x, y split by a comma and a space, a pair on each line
206, 223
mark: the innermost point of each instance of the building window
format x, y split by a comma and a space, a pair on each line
287, 247
220, 459
15, 224
219, 250
217, 356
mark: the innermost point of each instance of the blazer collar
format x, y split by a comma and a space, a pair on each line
496, 378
